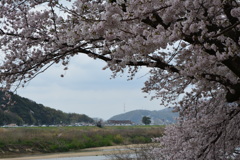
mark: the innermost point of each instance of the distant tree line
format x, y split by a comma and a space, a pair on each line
25, 111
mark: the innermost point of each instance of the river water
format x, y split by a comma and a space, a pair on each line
79, 158
86, 154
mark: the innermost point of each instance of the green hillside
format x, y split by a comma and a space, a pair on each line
165, 116
28, 112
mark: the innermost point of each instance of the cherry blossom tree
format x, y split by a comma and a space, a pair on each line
192, 48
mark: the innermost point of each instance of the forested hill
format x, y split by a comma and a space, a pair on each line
28, 112
164, 116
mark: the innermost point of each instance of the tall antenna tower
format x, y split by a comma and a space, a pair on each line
124, 108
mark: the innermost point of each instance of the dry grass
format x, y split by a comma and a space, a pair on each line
62, 139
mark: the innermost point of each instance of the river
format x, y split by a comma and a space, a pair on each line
79, 158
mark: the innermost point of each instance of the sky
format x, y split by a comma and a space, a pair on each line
87, 89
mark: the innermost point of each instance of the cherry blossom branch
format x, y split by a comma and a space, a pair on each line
226, 29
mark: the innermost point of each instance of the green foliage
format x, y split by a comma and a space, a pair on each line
118, 139
29, 112
75, 118
140, 139
2, 144
9, 117
146, 120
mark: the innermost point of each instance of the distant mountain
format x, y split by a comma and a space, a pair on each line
164, 116
26, 111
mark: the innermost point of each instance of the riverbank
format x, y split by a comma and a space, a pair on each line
38, 140
98, 151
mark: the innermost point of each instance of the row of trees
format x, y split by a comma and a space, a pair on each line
25, 111
191, 47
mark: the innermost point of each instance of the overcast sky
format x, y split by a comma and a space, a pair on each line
87, 89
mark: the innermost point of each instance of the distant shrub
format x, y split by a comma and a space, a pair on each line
118, 139
140, 140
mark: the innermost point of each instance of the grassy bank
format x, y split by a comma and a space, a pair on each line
63, 139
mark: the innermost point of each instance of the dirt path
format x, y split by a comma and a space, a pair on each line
84, 152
